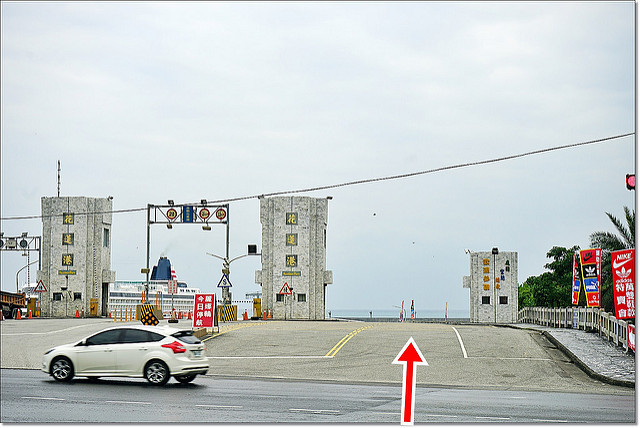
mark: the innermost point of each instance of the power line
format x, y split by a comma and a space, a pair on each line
356, 182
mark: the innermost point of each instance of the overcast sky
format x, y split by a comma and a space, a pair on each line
187, 101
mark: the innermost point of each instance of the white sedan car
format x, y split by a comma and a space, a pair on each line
155, 353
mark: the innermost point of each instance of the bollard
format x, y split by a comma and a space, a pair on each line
30, 317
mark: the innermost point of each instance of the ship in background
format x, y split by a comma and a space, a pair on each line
126, 295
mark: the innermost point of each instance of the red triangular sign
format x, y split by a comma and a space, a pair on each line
286, 289
40, 288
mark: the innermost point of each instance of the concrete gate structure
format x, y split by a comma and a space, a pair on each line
294, 247
76, 255
493, 287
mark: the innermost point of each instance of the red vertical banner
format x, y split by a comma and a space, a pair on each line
576, 280
590, 261
204, 306
624, 283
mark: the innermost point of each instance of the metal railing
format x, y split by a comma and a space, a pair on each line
589, 319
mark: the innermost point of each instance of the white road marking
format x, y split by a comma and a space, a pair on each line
215, 406
315, 411
44, 398
48, 332
493, 418
464, 351
127, 402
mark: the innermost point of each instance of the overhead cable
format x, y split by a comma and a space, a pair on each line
355, 182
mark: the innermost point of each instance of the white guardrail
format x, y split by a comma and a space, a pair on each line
588, 319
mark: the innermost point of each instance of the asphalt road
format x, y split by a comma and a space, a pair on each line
304, 371
30, 396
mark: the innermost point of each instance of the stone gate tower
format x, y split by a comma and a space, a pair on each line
493, 287
76, 255
294, 247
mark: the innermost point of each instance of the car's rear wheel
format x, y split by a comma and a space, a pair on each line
156, 372
62, 369
185, 378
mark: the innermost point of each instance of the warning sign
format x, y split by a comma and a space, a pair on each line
224, 282
286, 290
40, 288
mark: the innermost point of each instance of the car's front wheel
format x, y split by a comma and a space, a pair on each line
156, 372
62, 369
185, 378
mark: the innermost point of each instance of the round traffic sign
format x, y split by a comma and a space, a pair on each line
204, 213
221, 213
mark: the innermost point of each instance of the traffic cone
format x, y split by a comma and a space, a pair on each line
189, 316
269, 316
77, 313
245, 317
30, 317
264, 315
1, 316
19, 314
109, 314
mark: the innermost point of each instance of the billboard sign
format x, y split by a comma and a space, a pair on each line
204, 306
590, 261
576, 280
624, 278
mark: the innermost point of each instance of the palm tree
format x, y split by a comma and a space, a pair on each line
611, 242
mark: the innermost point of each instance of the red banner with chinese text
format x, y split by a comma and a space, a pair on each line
624, 278
204, 306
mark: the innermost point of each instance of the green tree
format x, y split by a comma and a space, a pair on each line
551, 289
608, 241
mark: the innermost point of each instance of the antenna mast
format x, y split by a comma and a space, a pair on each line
58, 178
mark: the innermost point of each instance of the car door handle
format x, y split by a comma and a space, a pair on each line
142, 349
108, 350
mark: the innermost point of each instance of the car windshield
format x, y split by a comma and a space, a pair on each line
186, 336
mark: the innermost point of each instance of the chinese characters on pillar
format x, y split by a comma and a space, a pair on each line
68, 219
485, 273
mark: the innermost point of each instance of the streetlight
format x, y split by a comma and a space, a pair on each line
21, 269
251, 251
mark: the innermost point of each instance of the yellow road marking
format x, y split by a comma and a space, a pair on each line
332, 353
233, 329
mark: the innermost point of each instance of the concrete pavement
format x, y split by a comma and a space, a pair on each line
598, 357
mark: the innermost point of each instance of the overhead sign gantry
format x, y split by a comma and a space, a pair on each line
171, 214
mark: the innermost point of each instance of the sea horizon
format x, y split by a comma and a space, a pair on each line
395, 313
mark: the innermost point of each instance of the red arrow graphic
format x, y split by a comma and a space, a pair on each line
410, 355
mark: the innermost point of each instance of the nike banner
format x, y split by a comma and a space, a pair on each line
590, 261
624, 278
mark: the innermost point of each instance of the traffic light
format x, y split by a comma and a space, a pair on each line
631, 181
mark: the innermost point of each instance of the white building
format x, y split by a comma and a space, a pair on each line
294, 247
493, 287
76, 256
